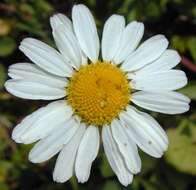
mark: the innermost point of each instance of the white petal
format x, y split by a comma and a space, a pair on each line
68, 45
86, 31
145, 131
130, 39
111, 37
115, 158
149, 50
64, 168
164, 102
45, 57
42, 122
52, 144
127, 147
87, 152
159, 81
33, 90
33, 73
15, 70
84, 59
62, 30
168, 60
60, 19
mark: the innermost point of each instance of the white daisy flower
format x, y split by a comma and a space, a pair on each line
97, 94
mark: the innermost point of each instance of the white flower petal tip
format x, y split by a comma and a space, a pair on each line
33, 73
86, 31
130, 39
16, 133
144, 131
33, 90
87, 152
53, 143
115, 158
42, 122
163, 102
168, 60
31, 82
125, 181
127, 147
112, 31
60, 19
64, 168
165, 81
147, 52
45, 57
68, 45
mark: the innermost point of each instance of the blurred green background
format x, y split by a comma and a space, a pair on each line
176, 19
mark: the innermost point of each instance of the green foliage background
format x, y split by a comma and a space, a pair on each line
30, 18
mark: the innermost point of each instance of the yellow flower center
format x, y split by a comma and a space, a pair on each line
98, 92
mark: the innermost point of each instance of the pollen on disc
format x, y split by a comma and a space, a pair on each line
98, 92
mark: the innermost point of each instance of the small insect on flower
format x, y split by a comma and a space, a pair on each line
96, 95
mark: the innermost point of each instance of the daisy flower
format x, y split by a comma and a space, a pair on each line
96, 95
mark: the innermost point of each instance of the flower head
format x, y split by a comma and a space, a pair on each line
97, 95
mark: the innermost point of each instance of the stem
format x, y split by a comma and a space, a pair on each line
187, 63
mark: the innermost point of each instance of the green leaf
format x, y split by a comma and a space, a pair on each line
179, 43
106, 170
133, 15
92, 3
2, 76
189, 90
4, 186
182, 148
152, 10
45, 6
148, 162
5, 167
148, 185
193, 11
163, 4
192, 47
7, 46
129, 9
111, 185
176, 180
27, 8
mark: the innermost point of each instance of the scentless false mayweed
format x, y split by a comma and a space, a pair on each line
96, 95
